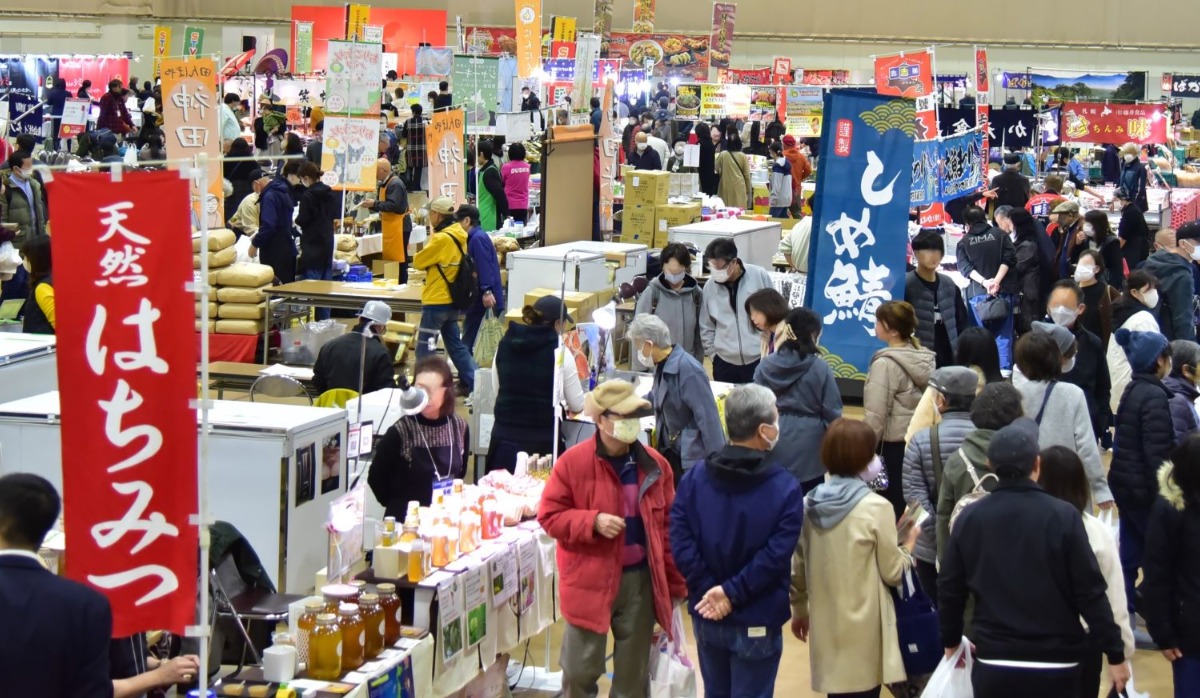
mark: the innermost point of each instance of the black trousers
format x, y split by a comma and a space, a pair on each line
991, 681
725, 372
892, 455
873, 693
928, 575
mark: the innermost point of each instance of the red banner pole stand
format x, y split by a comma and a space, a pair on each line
201, 629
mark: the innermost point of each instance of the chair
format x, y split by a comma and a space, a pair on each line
335, 397
278, 388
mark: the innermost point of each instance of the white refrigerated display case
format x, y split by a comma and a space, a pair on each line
587, 267
757, 241
28, 365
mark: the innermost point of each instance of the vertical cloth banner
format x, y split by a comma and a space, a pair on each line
162, 47
721, 40
193, 41
858, 230
529, 38
563, 29
962, 163
26, 77
349, 149
357, 17
304, 45
434, 62
905, 74
444, 138
476, 80
98, 69
982, 82
925, 176
122, 259
190, 118
643, 16
781, 70
602, 24
352, 84
610, 145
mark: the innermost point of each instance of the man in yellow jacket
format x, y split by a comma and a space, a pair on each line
440, 260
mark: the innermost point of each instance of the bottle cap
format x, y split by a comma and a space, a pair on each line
348, 609
327, 618
386, 588
313, 605
369, 598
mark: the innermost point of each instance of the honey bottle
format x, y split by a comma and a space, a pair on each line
325, 649
306, 624
390, 603
372, 615
354, 637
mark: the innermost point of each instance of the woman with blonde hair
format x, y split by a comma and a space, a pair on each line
898, 375
848, 555
1134, 177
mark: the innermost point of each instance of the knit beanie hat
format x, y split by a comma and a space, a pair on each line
1141, 348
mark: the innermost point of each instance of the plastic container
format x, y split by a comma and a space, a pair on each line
325, 649
354, 636
373, 622
416, 563
390, 603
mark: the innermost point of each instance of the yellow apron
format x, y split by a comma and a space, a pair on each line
393, 230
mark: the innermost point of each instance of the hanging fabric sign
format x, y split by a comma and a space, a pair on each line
190, 119
476, 80
193, 41
529, 38
781, 70
1182, 85
162, 46
304, 46
962, 162
444, 138
905, 74
357, 17
352, 84
924, 190
643, 16
602, 23
736, 76
982, 83
1016, 81
720, 42
867, 143
349, 149
126, 377
1116, 124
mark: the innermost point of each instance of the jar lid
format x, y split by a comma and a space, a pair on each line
369, 598
386, 588
338, 590
348, 609
327, 618
313, 604
359, 585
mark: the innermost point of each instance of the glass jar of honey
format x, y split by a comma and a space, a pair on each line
354, 636
372, 615
416, 561
337, 594
388, 538
390, 603
306, 624
325, 649
359, 587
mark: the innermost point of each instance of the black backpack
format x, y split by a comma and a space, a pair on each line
464, 290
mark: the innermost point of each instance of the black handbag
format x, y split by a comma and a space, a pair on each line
992, 308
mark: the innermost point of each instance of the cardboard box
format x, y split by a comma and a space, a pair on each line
579, 305
762, 198
647, 188
684, 185
638, 223
675, 215
387, 270
513, 315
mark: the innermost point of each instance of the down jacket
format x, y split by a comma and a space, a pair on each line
895, 381
1183, 406
1119, 371
920, 478
1144, 441
582, 485
1170, 588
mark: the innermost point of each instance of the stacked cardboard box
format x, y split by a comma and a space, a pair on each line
672, 216
645, 190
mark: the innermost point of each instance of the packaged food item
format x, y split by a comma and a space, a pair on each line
416, 561
354, 636
325, 649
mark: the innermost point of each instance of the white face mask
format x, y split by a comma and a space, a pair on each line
642, 146
1084, 273
1196, 252
1130, 158
1069, 365
626, 430
719, 275
1062, 315
674, 278
679, 149
1150, 298
1089, 231
771, 443
646, 360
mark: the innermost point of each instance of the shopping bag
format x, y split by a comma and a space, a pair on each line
9, 261
672, 674
1109, 518
917, 629
491, 331
1130, 691
950, 680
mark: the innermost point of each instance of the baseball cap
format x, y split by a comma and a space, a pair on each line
552, 307
955, 380
377, 312
1123, 194
789, 141
1012, 159
442, 204
616, 397
1188, 231
1015, 447
1066, 207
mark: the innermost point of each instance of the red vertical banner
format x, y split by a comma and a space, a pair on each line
982, 82
720, 41
983, 117
122, 252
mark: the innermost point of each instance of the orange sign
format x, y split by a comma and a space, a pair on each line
529, 37
444, 137
190, 107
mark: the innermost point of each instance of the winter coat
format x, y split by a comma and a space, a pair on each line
1104, 546
338, 362
930, 309
808, 400
921, 479
781, 184
1183, 406
926, 414
723, 329
1170, 587
734, 187
1029, 277
15, 207
1144, 441
487, 269
319, 207
801, 168
847, 559
985, 249
1136, 234
442, 255
1066, 422
958, 483
684, 407
708, 166
274, 236
1135, 178
1176, 291
582, 485
1119, 371
895, 381
747, 550
1091, 375
679, 309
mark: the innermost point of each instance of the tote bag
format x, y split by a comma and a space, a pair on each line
917, 628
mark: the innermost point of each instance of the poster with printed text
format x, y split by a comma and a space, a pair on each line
475, 595
905, 74
162, 48
721, 38
349, 150
781, 70
643, 16
504, 576
193, 41
450, 617
725, 101
529, 37
863, 193
444, 138
26, 77
683, 56
352, 84
74, 118
804, 104
357, 17
435, 61
304, 47
190, 112
1115, 124
475, 82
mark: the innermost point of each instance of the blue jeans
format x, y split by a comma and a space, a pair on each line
325, 274
1186, 672
735, 664
1002, 330
1134, 521
779, 212
472, 319
443, 319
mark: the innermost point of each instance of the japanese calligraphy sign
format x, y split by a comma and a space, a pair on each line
562, 29
349, 149
444, 138
1008, 128
357, 16
529, 37
724, 101
26, 77
982, 83
962, 163
925, 167
126, 375
825, 77
352, 84
190, 113
1181, 85
721, 40
1016, 81
610, 144
602, 21
98, 69
905, 74
757, 76
860, 221
643, 15
476, 84
1116, 124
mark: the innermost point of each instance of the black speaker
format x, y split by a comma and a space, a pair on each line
249, 43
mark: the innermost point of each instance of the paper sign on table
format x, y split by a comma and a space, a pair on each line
475, 584
504, 575
450, 599
527, 556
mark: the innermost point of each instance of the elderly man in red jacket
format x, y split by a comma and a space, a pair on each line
607, 504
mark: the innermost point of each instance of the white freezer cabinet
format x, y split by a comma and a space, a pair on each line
28, 365
587, 267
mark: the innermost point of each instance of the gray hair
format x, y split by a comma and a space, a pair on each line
1003, 212
747, 407
1184, 352
650, 328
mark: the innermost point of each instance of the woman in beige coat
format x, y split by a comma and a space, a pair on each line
898, 375
847, 558
733, 169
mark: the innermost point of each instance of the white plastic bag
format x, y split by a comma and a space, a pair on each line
672, 674
950, 680
9, 261
1108, 517
1130, 691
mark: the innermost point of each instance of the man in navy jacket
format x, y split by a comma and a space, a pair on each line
56, 632
487, 267
737, 563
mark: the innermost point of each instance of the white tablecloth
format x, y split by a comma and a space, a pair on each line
370, 244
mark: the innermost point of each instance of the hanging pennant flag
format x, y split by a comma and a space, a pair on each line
348, 152
563, 29
602, 24
867, 143
529, 38
905, 74
357, 17
781, 70
721, 40
193, 41
982, 82
444, 138
162, 44
127, 375
190, 114
643, 16
304, 46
